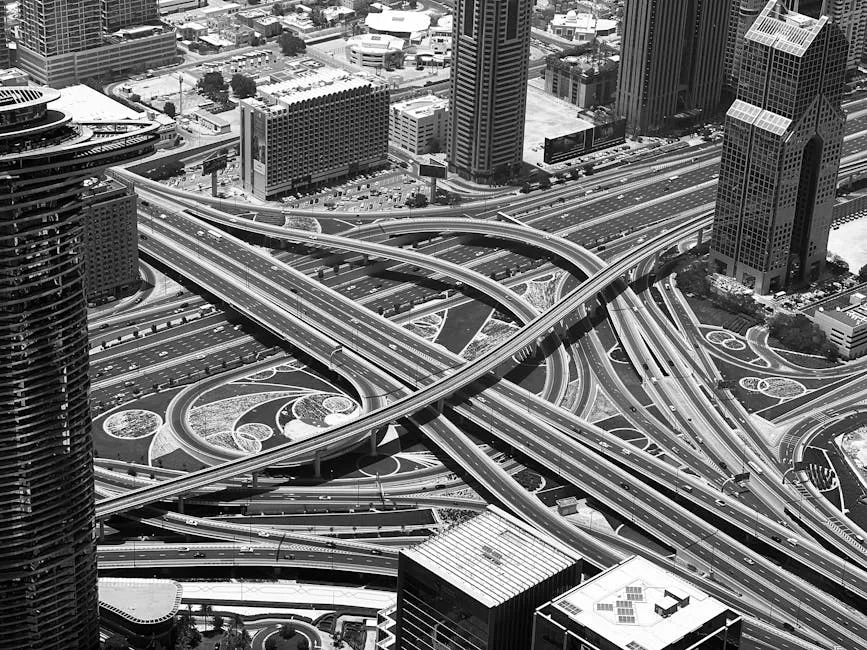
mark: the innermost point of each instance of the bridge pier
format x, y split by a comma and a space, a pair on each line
700, 237
255, 480
372, 448
181, 505
101, 530
317, 465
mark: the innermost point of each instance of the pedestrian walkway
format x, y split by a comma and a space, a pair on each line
287, 593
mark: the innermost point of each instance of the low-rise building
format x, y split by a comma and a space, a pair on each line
375, 51
110, 240
268, 26
192, 31
174, 6
14, 77
214, 123
586, 80
127, 52
846, 329
411, 26
144, 608
581, 28
635, 605
311, 130
417, 124
247, 16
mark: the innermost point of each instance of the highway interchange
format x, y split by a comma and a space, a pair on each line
381, 359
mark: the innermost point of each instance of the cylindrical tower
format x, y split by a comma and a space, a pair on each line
47, 544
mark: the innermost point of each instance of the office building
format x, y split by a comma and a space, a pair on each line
846, 329
635, 605
781, 151
52, 27
672, 58
110, 240
420, 125
851, 17
581, 28
475, 586
47, 542
379, 51
743, 15
490, 55
117, 14
586, 80
312, 129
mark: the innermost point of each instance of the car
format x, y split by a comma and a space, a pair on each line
778, 540
686, 488
720, 503
749, 561
392, 346
133, 366
163, 354
633, 409
103, 326
218, 329
375, 551
199, 554
163, 215
128, 383
626, 452
793, 541
604, 445
671, 406
245, 549
263, 533
107, 368
191, 522
184, 549
324, 497
200, 233
288, 556
625, 486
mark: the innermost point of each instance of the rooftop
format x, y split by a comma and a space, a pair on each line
493, 556
402, 22
309, 85
376, 42
620, 605
784, 30
20, 96
421, 106
758, 117
584, 22
142, 601
85, 104
854, 316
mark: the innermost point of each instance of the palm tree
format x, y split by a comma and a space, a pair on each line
206, 611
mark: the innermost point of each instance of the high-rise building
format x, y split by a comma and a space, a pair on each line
110, 239
744, 13
312, 129
671, 62
490, 62
783, 138
4, 48
851, 17
50, 27
475, 587
47, 542
117, 14
420, 125
635, 605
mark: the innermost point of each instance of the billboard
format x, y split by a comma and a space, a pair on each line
214, 164
581, 142
432, 171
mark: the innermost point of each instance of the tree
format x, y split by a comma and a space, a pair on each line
303, 644
218, 622
116, 642
862, 273
413, 4
291, 45
170, 109
211, 85
588, 169
798, 333
271, 643
277, 9
287, 631
416, 201
837, 265
526, 188
318, 18
242, 85
545, 183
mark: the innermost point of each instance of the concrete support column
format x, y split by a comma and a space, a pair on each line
255, 480
372, 449
181, 505
700, 237
101, 530
317, 465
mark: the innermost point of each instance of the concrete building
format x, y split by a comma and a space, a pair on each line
144, 608
4, 45
411, 26
379, 51
581, 28
110, 240
56, 27
846, 329
14, 77
851, 17
117, 14
635, 605
743, 15
126, 52
312, 129
490, 55
680, 81
475, 586
585, 80
174, 6
781, 152
48, 563
415, 123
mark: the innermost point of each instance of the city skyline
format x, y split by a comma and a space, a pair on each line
413, 326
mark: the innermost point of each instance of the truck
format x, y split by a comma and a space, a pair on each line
213, 234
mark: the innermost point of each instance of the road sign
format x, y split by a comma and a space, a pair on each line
214, 164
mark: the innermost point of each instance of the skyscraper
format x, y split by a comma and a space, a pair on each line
50, 27
671, 61
117, 14
490, 61
4, 49
47, 543
783, 137
744, 13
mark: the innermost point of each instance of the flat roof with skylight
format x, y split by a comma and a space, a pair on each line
493, 557
638, 606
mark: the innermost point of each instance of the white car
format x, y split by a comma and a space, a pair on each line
263, 533
163, 354
184, 549
191, 522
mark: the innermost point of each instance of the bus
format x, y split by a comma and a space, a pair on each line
215, 235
